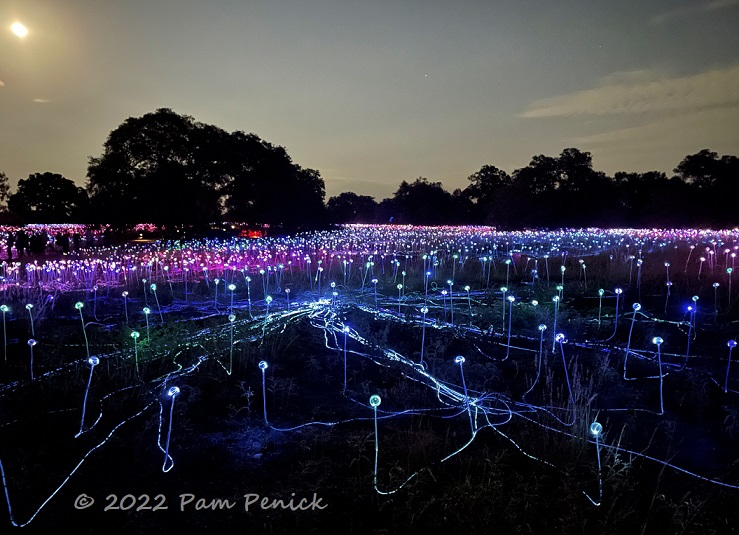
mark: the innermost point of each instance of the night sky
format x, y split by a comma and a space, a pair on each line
374, 92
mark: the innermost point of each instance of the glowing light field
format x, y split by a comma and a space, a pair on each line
396, 378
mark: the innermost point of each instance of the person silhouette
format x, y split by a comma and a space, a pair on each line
21, 242
10, 242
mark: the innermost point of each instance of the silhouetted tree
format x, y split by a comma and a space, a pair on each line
489, 193
386, 211
702, 169
162, 168
534, 196
583, 194
4, 191
48, 198
716, 186
426, 203
349, 207
265, 186
562, 192
167, 168
651, 199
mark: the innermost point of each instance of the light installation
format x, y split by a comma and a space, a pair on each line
454, 396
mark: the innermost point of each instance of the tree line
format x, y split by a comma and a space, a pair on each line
167, 168
563, 191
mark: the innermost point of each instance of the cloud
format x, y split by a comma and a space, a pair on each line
704, 7
666, 139
41, 101
644, 91
719, 4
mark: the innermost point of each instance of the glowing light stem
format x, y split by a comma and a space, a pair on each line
658, 342
248, 295
636, 308
173, 394
29, 307
615, 322
555, 299
93, 361
84, 332
346, 331
231, 319
426, 287
94, 303
424, 311
542, 328
125, 305
690, 333
156, 298
318, 280
135, 336
487, 282
560, 338
460, 360
595, 430
146, 315
729, 271
504, 289
146, 302
268, 300
511, 299
31, 343
561, 293
263, 366
732, 345
375, 402
469, 304
688, 259
4, 309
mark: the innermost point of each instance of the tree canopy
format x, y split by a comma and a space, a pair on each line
165, 167
348, 207
4, 190
48, 198
565, 191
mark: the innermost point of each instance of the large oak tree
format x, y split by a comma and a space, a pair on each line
165, 168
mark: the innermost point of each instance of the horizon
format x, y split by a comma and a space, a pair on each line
373, 95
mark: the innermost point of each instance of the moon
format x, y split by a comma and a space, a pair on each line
19, 29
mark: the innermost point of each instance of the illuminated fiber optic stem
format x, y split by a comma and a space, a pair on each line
263, 366
596, 429
172, 393
92, 361
460, 360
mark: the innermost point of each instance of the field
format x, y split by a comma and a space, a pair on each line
375, 379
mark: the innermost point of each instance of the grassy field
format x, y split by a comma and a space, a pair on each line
498, 443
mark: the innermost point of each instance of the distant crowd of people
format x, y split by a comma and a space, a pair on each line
22, 243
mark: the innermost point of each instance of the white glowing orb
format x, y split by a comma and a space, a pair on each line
18, 29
